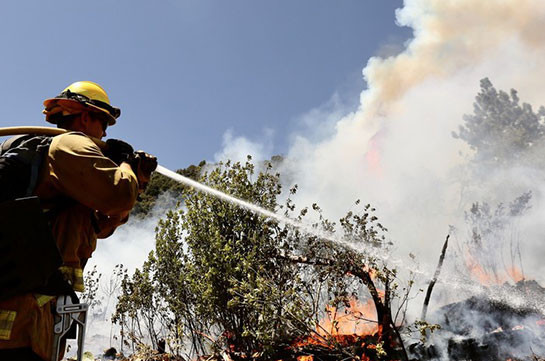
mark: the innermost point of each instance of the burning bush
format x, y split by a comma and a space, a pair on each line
225, 280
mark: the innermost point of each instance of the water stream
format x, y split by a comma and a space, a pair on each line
306, 228
216, 193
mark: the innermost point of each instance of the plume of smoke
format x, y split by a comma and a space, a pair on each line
396, 149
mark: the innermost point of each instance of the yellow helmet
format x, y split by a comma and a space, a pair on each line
78, 96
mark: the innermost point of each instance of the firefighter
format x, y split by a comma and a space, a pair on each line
88, 195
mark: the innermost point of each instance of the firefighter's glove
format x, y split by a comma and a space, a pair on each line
119, 151
143, 165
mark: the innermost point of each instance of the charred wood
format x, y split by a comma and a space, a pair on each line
434, 280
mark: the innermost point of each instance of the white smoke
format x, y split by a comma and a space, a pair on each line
396, 150
237, 149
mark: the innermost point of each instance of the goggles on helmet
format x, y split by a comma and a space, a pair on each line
67, 94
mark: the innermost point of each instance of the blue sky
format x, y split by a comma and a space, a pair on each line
185, 72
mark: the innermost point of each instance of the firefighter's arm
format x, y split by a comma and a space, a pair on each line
80, 170
143, 165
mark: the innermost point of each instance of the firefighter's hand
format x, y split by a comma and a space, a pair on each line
144, 164
118, 151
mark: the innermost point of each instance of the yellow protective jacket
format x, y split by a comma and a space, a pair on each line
88, 194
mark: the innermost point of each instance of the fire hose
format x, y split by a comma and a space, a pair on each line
7, 131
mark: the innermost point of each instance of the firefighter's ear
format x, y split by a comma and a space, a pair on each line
85, 118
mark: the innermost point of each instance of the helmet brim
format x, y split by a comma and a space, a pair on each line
74, 104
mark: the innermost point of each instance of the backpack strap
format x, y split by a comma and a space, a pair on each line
13, 142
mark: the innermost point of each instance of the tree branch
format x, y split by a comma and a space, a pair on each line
434, 280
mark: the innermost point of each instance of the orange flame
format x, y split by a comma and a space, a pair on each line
345, 325
357, 319
515, 274
373, 157
481, 275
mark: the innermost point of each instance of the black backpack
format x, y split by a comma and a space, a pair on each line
29, 257
21, 159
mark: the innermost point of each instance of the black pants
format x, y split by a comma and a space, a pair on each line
19, 354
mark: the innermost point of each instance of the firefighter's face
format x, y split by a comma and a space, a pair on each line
94, 124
